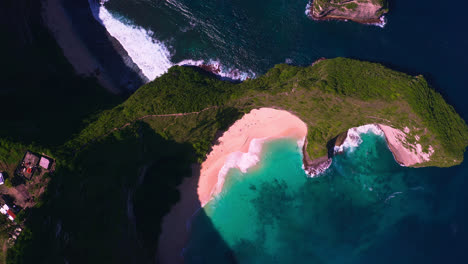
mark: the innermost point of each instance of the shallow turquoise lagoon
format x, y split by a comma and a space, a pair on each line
364, 209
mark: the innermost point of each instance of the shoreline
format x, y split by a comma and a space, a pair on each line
379, 21
375, 21
176, 224
240, 146
405, 156
175, 227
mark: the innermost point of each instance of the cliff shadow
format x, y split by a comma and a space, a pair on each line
112, 57
42, 98
107, 204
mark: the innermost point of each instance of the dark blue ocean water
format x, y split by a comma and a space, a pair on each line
421, 37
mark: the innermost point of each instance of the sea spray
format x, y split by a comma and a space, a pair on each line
382, 23
353, 138
241, 161
244, 161
217, 68
151, 55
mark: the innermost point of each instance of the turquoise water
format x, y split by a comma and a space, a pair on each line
364, 209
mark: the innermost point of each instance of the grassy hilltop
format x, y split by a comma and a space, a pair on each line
117, 178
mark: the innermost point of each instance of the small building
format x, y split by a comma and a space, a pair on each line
44, 163
28, 166
2, 180
11, 215
5, 209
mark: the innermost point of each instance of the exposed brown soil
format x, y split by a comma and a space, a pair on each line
25, 195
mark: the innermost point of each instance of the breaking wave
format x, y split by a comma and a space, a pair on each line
353, 138
382, 23
151, 55
217, 68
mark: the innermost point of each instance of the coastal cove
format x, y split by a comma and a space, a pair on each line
243, 161
240, 147
360, 210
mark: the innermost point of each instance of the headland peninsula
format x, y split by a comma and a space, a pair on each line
360, 11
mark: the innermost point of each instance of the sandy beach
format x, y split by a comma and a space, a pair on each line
240, 145
175, 226
406, 156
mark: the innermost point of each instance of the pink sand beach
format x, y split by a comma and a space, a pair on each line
240, 145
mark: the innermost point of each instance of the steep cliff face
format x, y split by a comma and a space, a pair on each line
361, 11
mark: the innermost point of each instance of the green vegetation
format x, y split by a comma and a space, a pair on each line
352, 10
352, 6
351, 92
135, 154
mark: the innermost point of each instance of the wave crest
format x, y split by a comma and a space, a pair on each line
151, 55
353, 138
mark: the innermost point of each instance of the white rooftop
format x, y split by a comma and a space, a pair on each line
44, 163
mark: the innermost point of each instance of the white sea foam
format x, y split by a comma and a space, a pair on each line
220, 70
382, 23
151, 55
391, 196
317, 170
241, 161
308, 6
244, 161
353, 138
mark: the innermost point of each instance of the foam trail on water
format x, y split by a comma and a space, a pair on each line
151, 55
391, 196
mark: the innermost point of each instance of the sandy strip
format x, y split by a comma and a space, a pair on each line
73, 48
175, 227
240, 145
405, 153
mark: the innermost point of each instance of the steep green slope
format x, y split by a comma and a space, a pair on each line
331, 97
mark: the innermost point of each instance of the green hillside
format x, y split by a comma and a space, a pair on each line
331, 97
137, 153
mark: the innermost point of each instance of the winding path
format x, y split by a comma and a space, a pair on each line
141, 118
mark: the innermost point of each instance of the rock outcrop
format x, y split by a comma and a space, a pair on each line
361, 11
